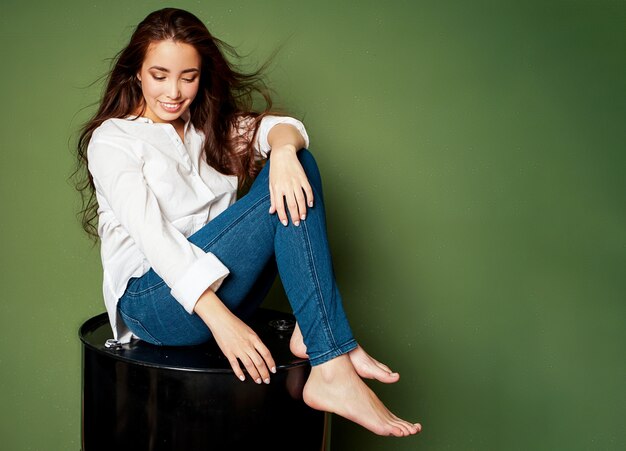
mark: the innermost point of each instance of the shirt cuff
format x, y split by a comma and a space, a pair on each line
206, 272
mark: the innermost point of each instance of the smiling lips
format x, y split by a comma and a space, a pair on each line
171, 107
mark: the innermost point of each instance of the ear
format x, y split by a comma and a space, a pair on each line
138, 76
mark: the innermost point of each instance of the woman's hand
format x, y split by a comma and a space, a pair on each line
236, 339
288, 184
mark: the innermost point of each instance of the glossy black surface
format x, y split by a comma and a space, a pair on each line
206, 357
145, 397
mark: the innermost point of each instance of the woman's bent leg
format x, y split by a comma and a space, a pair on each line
152, 314
246, 238
302, 256
306, 270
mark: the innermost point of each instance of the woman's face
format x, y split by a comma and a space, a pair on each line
169, 76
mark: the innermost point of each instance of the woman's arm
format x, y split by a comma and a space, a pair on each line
235, 338
288, 182
122, 191
285, 135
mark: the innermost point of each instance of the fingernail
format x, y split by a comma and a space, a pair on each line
285, 222
273, 369
311, 204
297, 223
258, 381
242, 378
267, 381
303, 217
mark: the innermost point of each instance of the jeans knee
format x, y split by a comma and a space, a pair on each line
307, 160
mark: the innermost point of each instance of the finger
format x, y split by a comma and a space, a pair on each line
292, 205
308, 191
259, 363
265, 353
280, 210
272, 204
301, 203
234, 364
251, 367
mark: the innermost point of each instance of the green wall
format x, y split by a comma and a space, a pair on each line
473, 155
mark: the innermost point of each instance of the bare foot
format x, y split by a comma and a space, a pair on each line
370, 368
335, 386
296, 344
365, 365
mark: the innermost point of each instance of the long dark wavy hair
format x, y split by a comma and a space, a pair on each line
225, 95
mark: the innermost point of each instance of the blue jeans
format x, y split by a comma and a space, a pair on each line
254, 245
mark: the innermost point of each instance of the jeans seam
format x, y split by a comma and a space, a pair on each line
138, 323
151, 288
324, 357
319, 297
234, 222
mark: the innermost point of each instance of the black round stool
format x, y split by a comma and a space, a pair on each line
139, 396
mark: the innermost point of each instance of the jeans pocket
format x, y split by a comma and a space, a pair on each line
138, 329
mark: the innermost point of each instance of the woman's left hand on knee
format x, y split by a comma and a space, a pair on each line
290, 189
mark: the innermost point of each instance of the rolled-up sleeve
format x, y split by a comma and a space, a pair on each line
261, 144
184, 267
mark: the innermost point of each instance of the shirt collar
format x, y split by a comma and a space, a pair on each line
186, 116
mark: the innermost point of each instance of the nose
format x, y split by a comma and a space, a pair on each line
173, 91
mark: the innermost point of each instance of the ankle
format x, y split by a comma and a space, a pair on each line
336, 367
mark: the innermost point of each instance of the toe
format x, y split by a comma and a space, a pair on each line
383, 366
405, 429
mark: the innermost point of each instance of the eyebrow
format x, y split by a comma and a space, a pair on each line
162, 69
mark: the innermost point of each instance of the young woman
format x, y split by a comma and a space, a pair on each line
174, 138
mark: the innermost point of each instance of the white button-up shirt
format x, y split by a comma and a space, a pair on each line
154, 191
